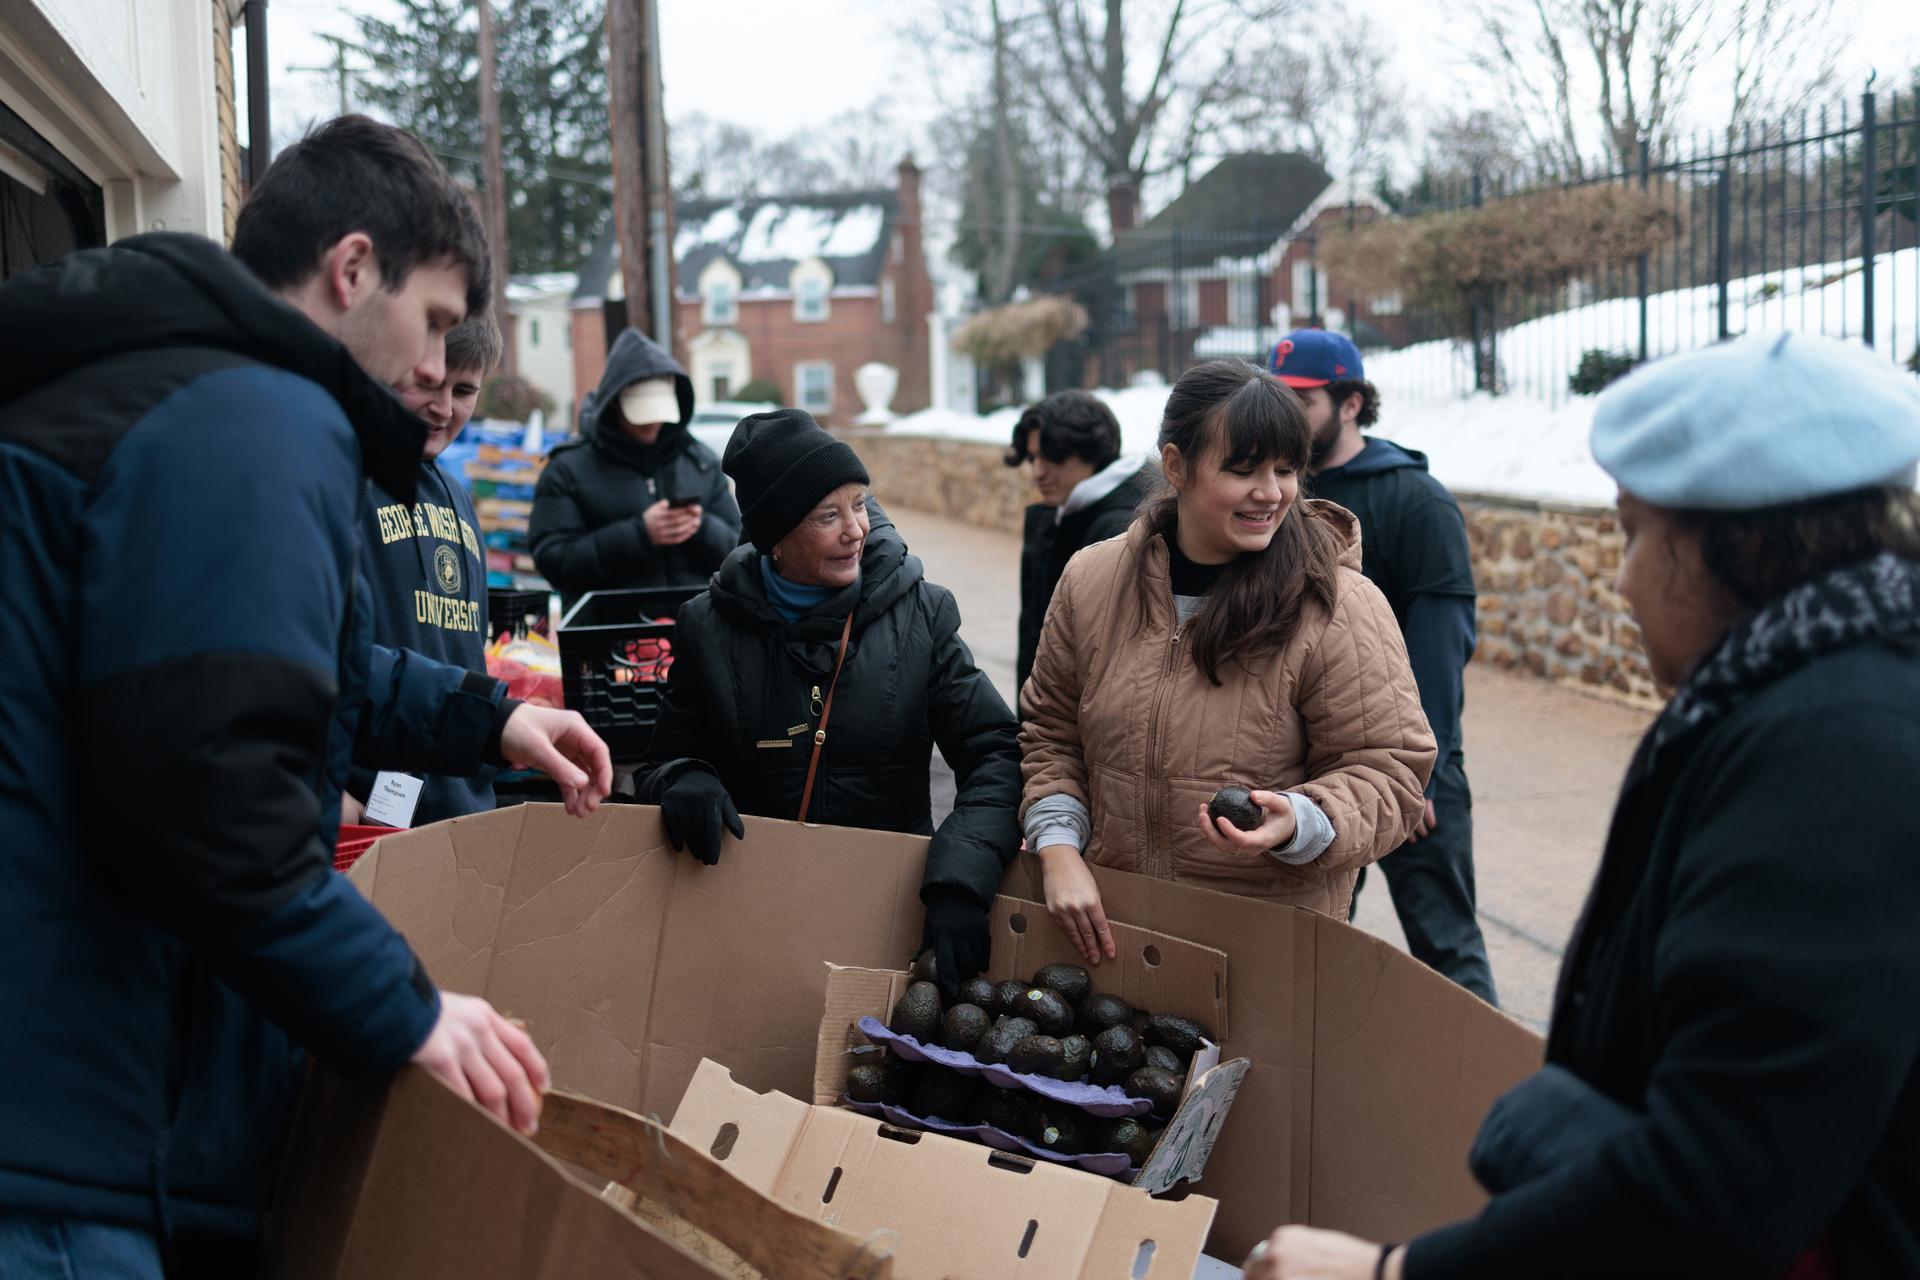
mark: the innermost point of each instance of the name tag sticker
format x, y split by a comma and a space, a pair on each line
773, 744
394, 796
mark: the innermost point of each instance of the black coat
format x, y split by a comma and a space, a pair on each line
1048, 544
743, 679
1745, 983
586, 530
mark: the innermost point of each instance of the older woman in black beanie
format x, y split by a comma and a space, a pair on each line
814, 677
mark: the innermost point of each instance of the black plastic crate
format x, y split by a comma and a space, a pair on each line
508, 609
613, 656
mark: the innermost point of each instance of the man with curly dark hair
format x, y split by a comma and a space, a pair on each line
1088, 493
1414, 547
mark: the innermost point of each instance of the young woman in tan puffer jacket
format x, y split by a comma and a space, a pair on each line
1228, 638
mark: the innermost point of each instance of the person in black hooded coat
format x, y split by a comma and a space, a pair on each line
756, 651
602, 517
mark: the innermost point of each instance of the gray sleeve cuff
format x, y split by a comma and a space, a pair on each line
1060, 819
1312, 832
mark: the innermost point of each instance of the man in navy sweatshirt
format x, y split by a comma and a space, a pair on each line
1413, 546
428, 572
185, 440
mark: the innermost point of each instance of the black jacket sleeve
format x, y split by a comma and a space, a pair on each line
719, 524
571, 555
1440, 636
1786, 981
687, 730
980, 740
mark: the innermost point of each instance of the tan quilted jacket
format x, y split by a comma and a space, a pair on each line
1118, 716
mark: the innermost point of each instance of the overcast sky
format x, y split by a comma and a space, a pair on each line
781, 65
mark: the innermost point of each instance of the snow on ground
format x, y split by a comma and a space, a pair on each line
1532, 441
1510, 446
1537, 357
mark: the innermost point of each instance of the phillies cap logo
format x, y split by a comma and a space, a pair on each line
1281, 351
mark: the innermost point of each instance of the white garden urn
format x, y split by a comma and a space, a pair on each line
876, 384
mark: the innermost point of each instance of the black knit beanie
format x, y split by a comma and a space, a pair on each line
782, 464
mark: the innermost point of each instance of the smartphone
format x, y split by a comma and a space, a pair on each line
683, 502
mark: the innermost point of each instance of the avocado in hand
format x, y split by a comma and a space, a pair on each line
1236, 805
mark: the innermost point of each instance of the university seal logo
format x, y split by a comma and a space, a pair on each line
446, 569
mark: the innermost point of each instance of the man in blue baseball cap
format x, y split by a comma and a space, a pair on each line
1413, 546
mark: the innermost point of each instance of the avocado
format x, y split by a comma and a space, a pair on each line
1008, 999
872, 1082
925, 968
1061, 1128
1098, 1012
1236, 805
963, 1026
1116, 1055
1036, 1056
1182, 1035
1161, 1088
1070, 980
1131, 1138
1158, 1055
943, 1095
979, 993
999, 1041
1075, 1051
918, 1014
1004, 1109
1049, 1009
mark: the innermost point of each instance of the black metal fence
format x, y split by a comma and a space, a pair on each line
1811, 224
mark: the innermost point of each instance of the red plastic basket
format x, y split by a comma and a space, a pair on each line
354, 841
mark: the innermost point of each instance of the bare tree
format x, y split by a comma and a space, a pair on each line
1629, 66
1337, 97
1137, 117
853, 151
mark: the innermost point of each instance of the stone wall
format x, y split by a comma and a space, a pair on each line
1545, 570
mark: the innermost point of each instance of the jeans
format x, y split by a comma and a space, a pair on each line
36, 1246
1432, 885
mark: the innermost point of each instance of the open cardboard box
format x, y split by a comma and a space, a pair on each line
1153, 971
630, 963
407, 1179
949, 1208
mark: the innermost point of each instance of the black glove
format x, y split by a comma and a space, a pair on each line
958, 934
694, 808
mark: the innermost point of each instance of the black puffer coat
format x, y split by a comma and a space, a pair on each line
586, 530
1052, 539
740, 703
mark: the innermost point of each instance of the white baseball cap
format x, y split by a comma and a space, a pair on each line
650, 400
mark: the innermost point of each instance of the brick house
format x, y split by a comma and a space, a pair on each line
1229, 266
798, 291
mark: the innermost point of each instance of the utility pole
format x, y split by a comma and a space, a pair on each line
642, 207
494, 206
337, 67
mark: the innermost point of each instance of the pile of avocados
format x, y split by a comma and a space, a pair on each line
1056, 1026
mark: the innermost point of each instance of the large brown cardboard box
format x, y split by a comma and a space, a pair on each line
630, 963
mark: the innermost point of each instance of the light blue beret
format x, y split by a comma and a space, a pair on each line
1760, 421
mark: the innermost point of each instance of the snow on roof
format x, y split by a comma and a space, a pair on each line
796, 232
718, 227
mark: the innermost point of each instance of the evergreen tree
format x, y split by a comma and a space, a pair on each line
553, 107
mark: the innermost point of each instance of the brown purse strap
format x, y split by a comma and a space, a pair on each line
826, 709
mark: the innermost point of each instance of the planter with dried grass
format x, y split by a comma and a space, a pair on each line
1020, 329
1537, 240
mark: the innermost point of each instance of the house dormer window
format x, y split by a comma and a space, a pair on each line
720, 295
812, 281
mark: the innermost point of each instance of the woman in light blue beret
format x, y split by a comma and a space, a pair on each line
1732, 1085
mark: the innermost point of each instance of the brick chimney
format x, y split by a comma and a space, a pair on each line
1123, 204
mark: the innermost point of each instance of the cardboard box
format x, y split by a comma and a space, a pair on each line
408, 1179
631, 963
951, 1208
1153, 971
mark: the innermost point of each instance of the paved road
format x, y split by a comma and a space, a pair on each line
1545, 764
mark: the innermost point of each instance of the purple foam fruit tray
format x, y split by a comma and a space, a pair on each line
1108, 1164
1106, 1101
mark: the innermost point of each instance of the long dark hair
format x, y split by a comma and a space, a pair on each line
1760, 555
1256, 605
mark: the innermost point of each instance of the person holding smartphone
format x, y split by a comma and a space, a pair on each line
636, 501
